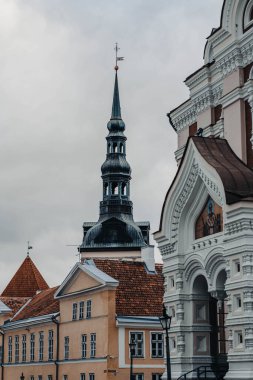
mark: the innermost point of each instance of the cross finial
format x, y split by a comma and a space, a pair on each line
116, 56
28, 248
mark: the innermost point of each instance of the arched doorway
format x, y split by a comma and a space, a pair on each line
219, 340
209, 336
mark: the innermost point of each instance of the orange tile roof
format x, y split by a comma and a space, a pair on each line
14, 303
26, 281
139, 293
42, 303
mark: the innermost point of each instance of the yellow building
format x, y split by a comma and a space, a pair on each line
81, 330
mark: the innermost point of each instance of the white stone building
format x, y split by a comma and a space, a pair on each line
206, 228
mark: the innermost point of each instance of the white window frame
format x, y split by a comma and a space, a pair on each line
24, 348
9, 349
66, 348
41, 345
88, 309
93, 345
16, 358
84, 346
32, 347
151, 355
92, 376
74, 311
81, 309
50, 345
138, 376
143, 340
82, 376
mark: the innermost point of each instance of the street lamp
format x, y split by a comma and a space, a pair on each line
22, 377
165, 321
132, 345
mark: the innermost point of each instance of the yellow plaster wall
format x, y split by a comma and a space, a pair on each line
81, 282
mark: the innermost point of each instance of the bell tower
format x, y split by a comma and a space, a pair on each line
115, 231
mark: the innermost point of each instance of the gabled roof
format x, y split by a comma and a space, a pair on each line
26, 281
91, 270
139, 293
42, 303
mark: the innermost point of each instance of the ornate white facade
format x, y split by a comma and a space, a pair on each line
209, 277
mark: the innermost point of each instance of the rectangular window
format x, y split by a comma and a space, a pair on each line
156, 376
88, 309
50, 377
84, 346
39, 377
92, 345
137, 338
157, 345
237, 266
74, 311
41, 345
82, 376
31, 377
91, 376
81, 310
23, 348
65, 377
32, 345
50, 344
238, 339
9, 349
171, 282
138, 376
66, 347
16, 348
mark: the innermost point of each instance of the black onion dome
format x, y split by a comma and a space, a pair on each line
115, 125
115, 163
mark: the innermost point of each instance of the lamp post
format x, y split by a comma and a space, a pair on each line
22, 377
165, 321
132, 345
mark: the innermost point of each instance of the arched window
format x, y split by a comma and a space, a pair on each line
115, 148
121, 148
106, 189
109, 148
123, 189
115, 188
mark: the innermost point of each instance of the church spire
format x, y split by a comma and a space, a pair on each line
115, 228
116, 112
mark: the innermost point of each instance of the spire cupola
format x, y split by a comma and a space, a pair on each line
115, 227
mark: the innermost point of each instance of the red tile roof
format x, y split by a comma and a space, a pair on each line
14, 303
42, 303
139, 293
26, 281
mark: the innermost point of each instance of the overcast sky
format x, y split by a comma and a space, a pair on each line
56, 83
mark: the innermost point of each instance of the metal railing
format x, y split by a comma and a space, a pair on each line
202, 373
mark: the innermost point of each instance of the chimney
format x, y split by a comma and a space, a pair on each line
148, 256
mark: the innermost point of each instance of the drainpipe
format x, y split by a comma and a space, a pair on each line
2, 362
54, 320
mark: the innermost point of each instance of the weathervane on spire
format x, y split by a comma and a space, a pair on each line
117, 58
28, 247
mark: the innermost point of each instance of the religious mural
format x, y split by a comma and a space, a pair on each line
210, 220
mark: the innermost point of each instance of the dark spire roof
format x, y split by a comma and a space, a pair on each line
116, 112
115, 228
26, 281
